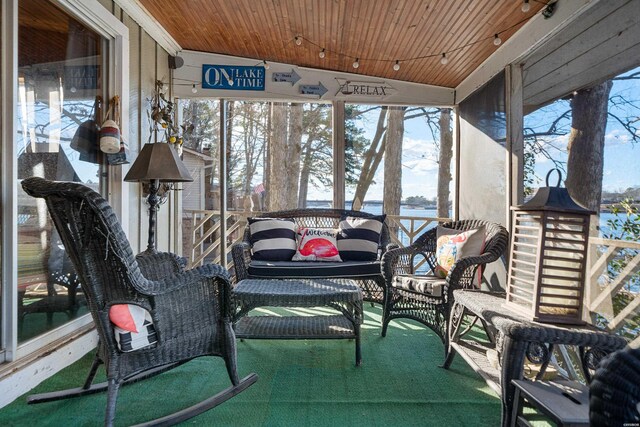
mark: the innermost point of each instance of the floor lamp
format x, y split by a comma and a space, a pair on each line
157, 162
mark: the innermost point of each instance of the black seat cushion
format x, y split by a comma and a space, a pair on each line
304, 269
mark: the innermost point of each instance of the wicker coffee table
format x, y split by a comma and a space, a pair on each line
341, 294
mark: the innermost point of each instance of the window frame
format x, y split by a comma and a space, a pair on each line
102, 21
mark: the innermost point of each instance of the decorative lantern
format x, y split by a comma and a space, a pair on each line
548, 256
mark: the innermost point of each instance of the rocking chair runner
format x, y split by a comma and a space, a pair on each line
190, 310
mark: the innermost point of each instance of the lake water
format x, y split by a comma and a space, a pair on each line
376, 209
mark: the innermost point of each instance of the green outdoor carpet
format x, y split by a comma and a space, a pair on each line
302, 383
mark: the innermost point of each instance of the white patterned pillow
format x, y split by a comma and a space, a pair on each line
272, 239
452, 245
132, 326
359, 238
317, 244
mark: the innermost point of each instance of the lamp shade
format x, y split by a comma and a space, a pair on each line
158, 161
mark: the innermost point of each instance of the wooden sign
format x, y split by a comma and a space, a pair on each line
364, 89
233, 77
291, 77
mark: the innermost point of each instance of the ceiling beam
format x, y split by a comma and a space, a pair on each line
142, 17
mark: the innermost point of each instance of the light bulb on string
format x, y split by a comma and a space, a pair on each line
194, 89
298, 40
266, 65
444, 60
396, 66
497, 40
356, 63
525, 6
322, 54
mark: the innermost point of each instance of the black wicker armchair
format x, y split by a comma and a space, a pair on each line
428, 299
614, 392
190, 310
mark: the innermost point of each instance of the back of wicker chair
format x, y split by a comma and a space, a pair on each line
431, 311
190, 309
614, 392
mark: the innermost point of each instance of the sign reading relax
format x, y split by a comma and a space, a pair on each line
232, 77
366, 89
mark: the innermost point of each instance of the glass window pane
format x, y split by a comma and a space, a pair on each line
60, 76
392, 158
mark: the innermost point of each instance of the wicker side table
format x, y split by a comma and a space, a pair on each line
341, 294
515, 338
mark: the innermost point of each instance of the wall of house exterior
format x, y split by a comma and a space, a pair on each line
148, 62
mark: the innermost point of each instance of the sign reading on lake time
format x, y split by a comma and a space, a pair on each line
232, 77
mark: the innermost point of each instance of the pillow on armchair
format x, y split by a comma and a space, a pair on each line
452, 245
132, 327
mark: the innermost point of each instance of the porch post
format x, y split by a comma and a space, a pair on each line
337, 117
222, 179
515, 138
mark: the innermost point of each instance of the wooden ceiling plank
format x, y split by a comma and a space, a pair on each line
378, 31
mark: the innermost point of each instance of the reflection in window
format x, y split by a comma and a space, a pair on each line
59, 86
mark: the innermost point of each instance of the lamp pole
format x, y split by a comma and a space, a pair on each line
153, 201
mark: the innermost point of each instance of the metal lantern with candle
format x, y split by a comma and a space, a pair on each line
548, 256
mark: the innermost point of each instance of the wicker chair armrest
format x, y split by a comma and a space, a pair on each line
181, 280
241, 253
390, 247
155, 266
463, 271
398, 261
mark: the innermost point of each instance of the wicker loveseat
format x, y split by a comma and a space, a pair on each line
366, 273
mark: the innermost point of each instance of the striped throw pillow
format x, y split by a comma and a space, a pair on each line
359, 238
272, 239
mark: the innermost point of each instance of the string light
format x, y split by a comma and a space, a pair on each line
193, 89
525, 6
266, 64
443, 56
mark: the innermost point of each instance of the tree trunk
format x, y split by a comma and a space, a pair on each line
444, 163
294, 148
277, 157
372, 159
393, 161
586, 145
305, 172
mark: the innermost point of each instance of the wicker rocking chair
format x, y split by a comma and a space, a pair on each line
423, 297
190, 310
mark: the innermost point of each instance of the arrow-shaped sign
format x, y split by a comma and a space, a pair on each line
291, 77
318, 89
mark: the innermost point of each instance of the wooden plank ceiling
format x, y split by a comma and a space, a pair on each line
378, 32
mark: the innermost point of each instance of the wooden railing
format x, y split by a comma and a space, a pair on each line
613, 294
